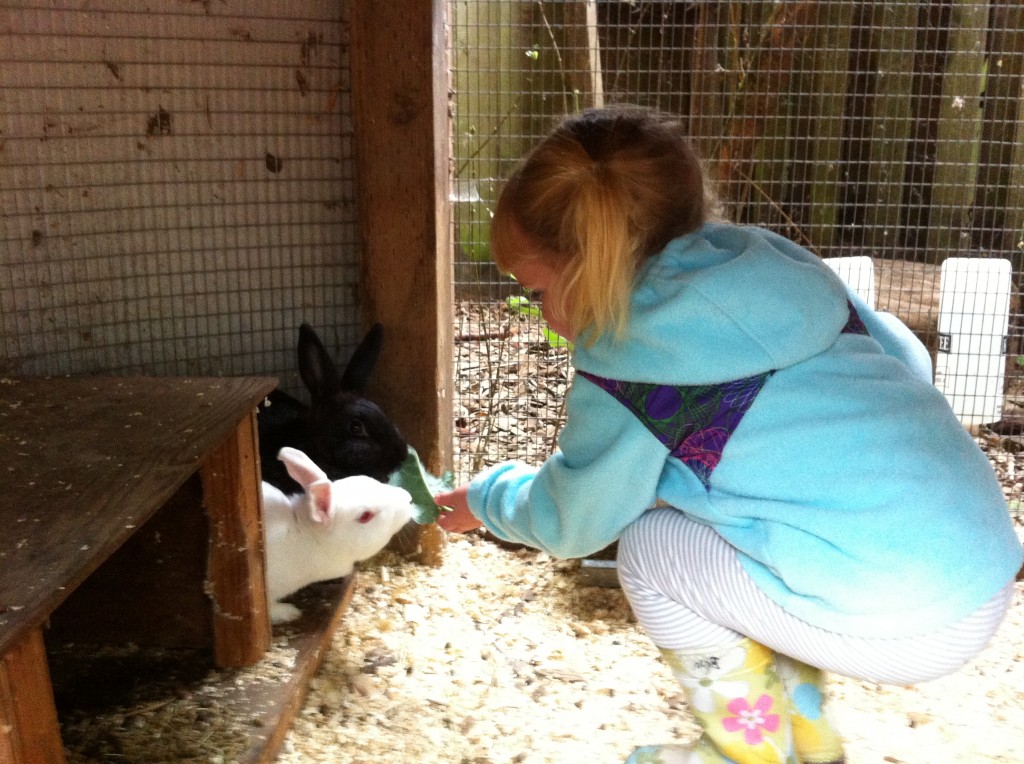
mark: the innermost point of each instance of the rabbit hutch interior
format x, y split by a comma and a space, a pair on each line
183, 186
207, 207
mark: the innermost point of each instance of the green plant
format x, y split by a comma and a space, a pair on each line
523, 306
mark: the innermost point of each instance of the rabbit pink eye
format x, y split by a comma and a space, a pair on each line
366, 517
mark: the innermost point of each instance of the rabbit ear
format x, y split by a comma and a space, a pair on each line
316, 368
320, 493
364, 358
302, 469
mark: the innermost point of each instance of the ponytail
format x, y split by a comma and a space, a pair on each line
601, 276
603, 192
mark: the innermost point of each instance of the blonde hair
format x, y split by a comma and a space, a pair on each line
599, 195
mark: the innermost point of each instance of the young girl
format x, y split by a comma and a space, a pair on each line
789, 491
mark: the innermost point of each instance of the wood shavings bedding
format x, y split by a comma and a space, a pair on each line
505, 656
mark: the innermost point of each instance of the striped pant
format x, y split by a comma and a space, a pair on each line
690, 592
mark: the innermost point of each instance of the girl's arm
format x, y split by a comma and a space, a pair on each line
604, 477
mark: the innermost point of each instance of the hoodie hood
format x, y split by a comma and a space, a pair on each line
722, 303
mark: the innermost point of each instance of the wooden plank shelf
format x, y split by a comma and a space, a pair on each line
89, 465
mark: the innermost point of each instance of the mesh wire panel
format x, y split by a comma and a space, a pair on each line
176, 187
884, 136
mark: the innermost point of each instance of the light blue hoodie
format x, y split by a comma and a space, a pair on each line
855, 498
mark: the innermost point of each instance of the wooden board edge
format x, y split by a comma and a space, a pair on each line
312, 638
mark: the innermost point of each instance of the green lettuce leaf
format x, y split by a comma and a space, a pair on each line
422, 486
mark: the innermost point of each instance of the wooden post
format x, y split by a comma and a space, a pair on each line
236, 579
400, 110
959, 132
569, 40
890, 124
29, 731
706, 119
778, 107
998, 220
816, 117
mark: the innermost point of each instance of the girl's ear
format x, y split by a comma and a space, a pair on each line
320, 494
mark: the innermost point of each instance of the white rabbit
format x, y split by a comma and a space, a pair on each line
321, 533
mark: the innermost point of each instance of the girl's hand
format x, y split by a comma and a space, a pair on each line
460, 519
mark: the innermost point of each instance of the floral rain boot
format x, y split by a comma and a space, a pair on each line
814, 737
737, 698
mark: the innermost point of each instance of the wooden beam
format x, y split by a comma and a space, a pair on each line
29, 731
237, 581
400, 111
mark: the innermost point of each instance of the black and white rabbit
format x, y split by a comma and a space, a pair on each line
320, 533
341, 430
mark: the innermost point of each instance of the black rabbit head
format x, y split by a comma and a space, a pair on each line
342, 431
347, 432
351, 435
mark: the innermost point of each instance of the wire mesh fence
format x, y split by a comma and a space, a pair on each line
884, 136
177, 193
176, 187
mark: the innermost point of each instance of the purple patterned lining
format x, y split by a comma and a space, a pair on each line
695, 422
